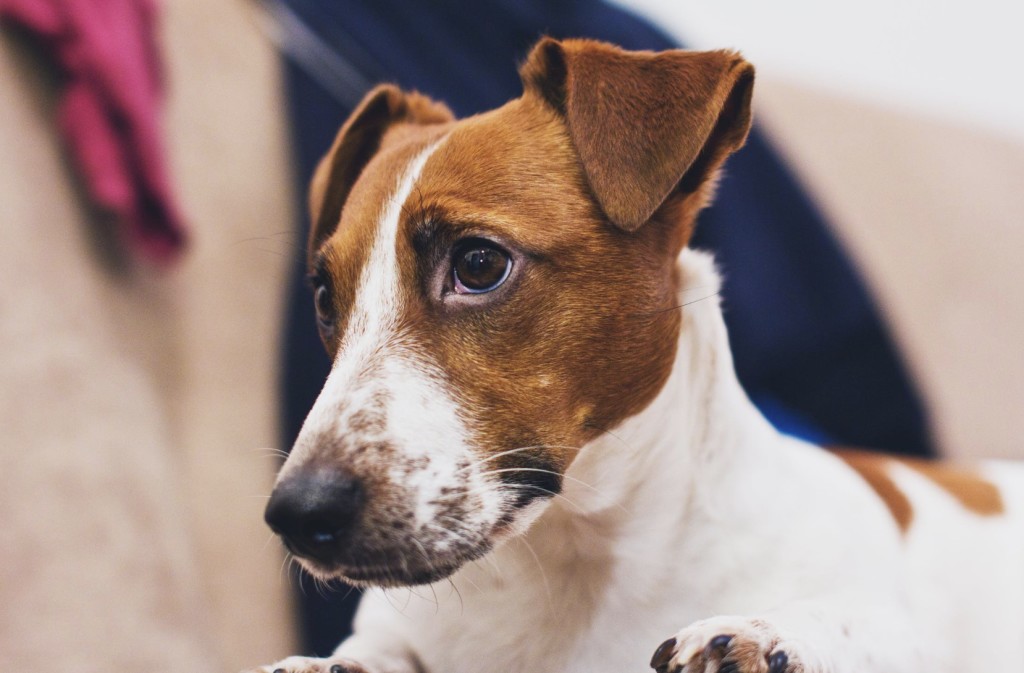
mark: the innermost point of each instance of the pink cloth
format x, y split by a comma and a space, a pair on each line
109, 110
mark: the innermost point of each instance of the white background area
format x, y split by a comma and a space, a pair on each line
953, 60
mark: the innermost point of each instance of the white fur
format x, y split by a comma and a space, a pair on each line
697, 512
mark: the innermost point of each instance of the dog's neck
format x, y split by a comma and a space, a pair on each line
651, 470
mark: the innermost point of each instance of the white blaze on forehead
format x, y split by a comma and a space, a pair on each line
371, 323
377, 301
374, 371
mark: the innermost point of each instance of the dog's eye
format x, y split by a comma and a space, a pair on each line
324, 306
479, 266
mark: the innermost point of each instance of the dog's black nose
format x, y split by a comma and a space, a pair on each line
314, 511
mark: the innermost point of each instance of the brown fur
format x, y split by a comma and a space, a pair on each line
582, 339
973, 492
746, 655
874, 469
644, 124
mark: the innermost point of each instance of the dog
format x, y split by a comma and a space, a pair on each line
532, 444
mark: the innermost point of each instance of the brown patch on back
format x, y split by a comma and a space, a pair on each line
873, 468
971, 490
974, 493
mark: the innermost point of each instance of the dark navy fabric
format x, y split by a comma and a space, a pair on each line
809, 344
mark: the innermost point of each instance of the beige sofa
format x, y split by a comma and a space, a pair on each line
934, 214
137, 408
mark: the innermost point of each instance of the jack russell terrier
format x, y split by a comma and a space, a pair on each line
532, 444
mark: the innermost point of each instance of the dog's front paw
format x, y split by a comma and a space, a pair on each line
311, 665
726, 645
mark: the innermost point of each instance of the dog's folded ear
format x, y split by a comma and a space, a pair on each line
645, 124
356, 143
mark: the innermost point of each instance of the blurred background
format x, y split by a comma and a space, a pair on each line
157, 348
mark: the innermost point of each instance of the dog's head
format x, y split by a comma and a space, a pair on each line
494, 292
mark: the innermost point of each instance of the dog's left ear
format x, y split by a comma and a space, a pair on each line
644, 124
356, 143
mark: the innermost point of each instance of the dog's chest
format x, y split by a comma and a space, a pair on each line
536, 620
538, 604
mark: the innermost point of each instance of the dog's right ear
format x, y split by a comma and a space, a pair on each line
356, 143
646, 125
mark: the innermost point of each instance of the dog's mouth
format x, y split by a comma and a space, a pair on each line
397, 570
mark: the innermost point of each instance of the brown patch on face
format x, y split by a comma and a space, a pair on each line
873, 468
973, 492
350, 186
578, 338
367, 422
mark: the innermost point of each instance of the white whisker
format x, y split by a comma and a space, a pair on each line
519, 449
543, 574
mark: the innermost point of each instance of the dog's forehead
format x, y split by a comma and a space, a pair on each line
511, 169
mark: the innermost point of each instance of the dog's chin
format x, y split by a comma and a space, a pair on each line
401, 573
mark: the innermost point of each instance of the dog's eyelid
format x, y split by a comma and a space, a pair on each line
451, 232
436, 232
318, 275
469, 233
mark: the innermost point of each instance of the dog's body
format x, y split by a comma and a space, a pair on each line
554, 443
697, 517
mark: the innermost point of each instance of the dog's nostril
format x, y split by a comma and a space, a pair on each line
321, 538
314, 511
318, 537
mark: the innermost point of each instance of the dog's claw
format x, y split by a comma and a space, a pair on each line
719, 643
662, 655
777, 662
